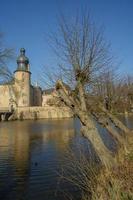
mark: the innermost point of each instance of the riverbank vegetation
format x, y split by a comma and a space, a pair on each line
117, 183
95, 181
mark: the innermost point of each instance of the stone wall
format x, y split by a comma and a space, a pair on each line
4, 96
45, 98
47, 112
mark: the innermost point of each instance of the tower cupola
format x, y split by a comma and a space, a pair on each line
22, 61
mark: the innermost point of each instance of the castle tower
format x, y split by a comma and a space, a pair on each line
22, 80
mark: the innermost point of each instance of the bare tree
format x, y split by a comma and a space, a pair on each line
84, 55
5, 55
104, 88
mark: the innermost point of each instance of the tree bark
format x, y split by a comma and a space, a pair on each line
82, 96
105, 123
116, 121
91, 133
88, 127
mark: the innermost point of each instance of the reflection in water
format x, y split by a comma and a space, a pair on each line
31, 153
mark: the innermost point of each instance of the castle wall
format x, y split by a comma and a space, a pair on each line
45, 99
22, 85
47, 112
6, 96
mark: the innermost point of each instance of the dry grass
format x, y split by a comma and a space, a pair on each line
96, 183
116, 184
80, 171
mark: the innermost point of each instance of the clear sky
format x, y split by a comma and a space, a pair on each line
26, 23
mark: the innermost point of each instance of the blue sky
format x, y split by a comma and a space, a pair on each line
27, 23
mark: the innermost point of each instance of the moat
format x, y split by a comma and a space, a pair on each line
32, 154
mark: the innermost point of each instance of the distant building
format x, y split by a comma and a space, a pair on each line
20, 92
28, 101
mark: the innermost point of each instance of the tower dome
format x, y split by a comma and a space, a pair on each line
22, 61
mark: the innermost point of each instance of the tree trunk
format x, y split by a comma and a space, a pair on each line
116, 121
90, 132
105, 123
88, 127
82, 97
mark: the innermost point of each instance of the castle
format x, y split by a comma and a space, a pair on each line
21, 96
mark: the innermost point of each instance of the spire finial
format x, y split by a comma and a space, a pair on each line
22, 51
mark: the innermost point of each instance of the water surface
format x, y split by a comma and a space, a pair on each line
32, 155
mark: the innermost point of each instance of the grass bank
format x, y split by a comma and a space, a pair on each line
116, 184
